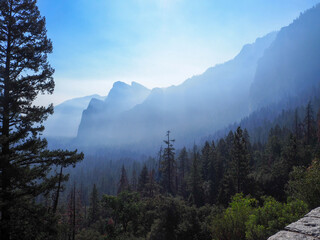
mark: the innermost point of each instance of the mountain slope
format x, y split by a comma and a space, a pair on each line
291, 66
121, 97
66, 117
190, 110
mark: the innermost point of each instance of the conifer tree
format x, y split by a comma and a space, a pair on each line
74, 212
215, 172
205, 161
152, 185
143, 180
195, 180
134, 180
309, 125
240, 167
183, 171
168, 166
123, 183
25, 163
94, 208
290, 153
318, 126
297, 125
159, 163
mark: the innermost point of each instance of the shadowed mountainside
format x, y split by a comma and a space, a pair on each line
202, 103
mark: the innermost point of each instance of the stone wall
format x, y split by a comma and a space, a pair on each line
307, 228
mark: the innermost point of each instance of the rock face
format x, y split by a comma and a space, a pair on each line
290, 66
67, 116
190, 110
307, 228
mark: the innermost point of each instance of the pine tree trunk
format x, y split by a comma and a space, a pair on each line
55, 204
74, 214
5, 168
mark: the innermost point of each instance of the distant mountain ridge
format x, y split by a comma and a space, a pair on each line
65, 121
291, 65
189, 110
276, 68
122, 97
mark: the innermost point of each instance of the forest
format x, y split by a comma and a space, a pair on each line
246, 181
230, 188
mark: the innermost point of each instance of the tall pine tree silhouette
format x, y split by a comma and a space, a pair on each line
240, 166
24, 73
123, 183
168, 166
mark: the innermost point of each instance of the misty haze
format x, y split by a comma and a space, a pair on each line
162, 119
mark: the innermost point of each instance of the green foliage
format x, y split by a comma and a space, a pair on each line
272, 217
195, 180
231, 225
143, 180
27, 168
34, 221
124, 209
245, 219
94, 208
304, 184
240, 167
91, 234
176, 220
168, 167
213, 176
123, 183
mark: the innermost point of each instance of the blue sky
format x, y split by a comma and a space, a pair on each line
157, 43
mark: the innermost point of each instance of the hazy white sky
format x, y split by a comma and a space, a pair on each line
157, 43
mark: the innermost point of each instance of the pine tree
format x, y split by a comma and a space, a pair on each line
152, 185
159, 163
297, 125
195, 180
123, 183
74, 212
25, 163
318, 127
215, 173
290, 153
94, 208
240, 167
309, 124
134, 180
168, 167
143, 180
205, 161
183, 171
59, 189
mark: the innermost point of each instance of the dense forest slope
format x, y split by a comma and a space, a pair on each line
291, 66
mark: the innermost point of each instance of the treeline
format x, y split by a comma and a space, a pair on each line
228, 189
283, 114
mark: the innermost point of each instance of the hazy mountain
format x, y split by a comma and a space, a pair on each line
202, 103
66, 117
98, 115
291, 66
275, 69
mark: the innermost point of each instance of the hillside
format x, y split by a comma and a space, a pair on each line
65, 121
291, 66
190, 110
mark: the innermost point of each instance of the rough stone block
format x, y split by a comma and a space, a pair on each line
314, 213
285, 235
307, 225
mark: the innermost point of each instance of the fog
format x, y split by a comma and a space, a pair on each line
135, 119
132, 116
